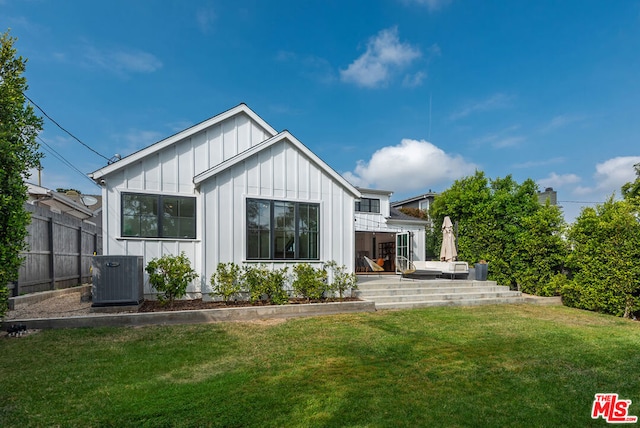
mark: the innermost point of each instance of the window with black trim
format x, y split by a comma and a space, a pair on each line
368, 205
282, 230
158, 216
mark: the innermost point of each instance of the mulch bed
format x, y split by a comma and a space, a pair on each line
197, 304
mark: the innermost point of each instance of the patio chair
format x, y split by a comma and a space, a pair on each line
404, 266
375, 267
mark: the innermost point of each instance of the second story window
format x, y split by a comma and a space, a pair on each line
368, 205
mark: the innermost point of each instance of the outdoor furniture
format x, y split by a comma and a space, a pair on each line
373, 265
449, 269
410, 269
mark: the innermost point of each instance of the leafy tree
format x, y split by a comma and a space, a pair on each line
19, 127
542, 252
496, 222
605, 259
631, 190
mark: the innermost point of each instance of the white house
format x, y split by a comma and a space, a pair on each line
382, 232
233, 189
229, 189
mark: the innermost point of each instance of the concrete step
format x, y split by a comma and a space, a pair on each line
396, 293
459, 302
394, 283
367, 293
442, 297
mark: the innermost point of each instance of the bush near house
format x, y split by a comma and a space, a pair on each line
226, 281
170, 275
309, 282
341, 281
264, 284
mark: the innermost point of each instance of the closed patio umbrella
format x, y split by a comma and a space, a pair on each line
448, 251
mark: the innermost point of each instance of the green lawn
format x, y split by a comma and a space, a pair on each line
511, 365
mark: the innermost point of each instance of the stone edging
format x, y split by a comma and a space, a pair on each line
248, 313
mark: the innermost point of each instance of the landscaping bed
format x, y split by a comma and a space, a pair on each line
198, 304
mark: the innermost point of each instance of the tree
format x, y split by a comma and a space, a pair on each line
542, 252
631, 190
19, 127
498, 222
604, 261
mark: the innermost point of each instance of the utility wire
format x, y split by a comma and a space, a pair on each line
60, 126
63, 160
581, 202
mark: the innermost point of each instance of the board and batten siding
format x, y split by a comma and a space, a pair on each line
279, 172
170, 171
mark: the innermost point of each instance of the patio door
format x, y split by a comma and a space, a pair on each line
403, 251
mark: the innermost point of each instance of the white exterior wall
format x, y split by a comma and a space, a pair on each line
279, 172
170, 172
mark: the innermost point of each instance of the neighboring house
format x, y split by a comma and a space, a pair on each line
63, 235
229, 189
422, 202
382, 232
83, 207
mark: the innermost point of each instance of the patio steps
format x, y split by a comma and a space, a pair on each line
392, 292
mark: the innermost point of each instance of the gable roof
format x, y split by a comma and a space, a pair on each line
58, 201
239, 109
427, 195
282, 136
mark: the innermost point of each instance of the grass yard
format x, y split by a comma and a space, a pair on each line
491, 366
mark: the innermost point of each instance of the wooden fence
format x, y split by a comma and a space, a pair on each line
59, 253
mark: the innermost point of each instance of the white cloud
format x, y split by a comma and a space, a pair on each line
414, 80
409, 166
385, 54
494, 102
609, 177
558, 181
432, 5
122, 62
561, 121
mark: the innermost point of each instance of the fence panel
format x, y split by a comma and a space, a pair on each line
59, 251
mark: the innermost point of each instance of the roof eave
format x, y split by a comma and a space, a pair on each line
141, 154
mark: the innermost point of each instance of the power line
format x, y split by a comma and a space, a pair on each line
63, 160
60, 126
581, 202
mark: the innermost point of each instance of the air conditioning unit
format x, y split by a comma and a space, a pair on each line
117, 280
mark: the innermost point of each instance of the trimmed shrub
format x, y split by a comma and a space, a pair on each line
309, 282
170, 275
226, 281
341, 281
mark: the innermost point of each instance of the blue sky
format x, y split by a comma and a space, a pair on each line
401, 95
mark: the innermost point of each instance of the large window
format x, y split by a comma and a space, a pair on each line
158, 216
282, 230
368, 205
